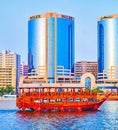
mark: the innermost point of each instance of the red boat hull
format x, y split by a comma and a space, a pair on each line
24, 104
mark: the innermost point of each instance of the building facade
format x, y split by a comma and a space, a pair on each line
23, 69
107, 42
83, 67
9, 69
108, 80
51, 45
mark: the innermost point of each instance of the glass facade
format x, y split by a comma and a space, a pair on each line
36, 43
65, 43
107, 43
51, 43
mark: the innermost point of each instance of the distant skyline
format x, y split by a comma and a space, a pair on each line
14, 23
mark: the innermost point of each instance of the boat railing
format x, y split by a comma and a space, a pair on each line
59, 93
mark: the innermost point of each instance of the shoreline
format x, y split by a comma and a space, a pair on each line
110, 98
7, 99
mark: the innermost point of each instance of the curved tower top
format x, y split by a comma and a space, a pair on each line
51, 14
107, 17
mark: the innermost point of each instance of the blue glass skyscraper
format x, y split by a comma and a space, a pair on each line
107, 42
50, 43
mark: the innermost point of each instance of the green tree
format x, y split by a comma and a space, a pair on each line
2, 91
98, 90
9, 89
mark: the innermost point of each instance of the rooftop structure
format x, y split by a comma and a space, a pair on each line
107, 17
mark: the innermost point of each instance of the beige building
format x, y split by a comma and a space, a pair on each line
9, 69
83, 67
7, 76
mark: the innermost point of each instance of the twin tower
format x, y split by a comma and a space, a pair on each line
51, 44
108, 43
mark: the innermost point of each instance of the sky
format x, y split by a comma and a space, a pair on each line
14, 16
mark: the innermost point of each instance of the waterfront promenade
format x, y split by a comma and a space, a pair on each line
8, 104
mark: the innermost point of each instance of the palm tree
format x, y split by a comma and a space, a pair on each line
9, 89
2, 91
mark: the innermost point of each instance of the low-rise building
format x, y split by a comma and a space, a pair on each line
83, 67
23, 69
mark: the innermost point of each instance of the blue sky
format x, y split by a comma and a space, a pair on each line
14, 23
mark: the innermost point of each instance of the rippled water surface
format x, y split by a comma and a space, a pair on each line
104, 119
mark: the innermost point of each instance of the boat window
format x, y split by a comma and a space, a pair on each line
21, 91
52, 90
63, 89
36, 90
26, 90
77, 99
59, 90
42, 90
58, 100
45, 90
69, 90
71, 100
84, 100
90, 100
31, 90
36, 100
44, 100
79, 90
51, 100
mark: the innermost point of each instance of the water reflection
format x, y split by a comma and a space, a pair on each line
104, 119
56, 121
